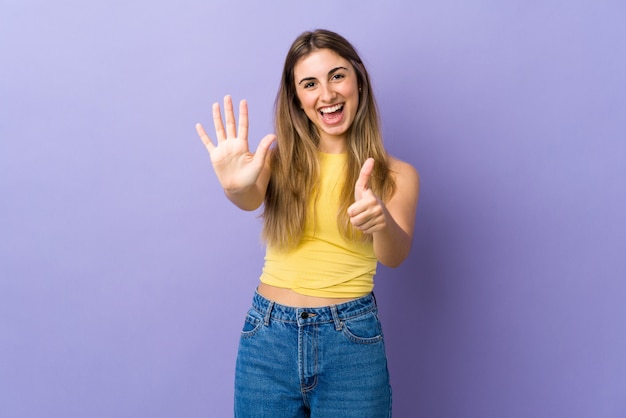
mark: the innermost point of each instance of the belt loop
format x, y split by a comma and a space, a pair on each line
336, 320
266, 320
374, 297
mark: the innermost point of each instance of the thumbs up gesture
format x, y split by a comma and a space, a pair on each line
367, 213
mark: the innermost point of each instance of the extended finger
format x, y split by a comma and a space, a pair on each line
229, 115
243, 120
204, 137
362, 182
263, 148
217, 122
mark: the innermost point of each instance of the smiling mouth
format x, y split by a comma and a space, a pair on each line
327, 111
332, 115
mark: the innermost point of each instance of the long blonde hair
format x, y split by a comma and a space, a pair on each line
295, 160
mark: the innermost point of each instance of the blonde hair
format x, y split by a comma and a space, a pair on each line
295, 160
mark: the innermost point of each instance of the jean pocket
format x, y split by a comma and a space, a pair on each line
363, 329
252, 324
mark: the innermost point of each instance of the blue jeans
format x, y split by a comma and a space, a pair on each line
312, 362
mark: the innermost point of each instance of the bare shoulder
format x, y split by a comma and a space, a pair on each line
402, 205
404, 173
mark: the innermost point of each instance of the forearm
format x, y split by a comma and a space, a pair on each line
392, 244
248, 199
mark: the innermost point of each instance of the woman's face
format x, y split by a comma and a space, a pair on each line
327, 87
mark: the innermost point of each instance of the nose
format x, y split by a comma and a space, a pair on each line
327, 93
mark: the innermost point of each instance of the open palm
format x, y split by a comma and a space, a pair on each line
235, 166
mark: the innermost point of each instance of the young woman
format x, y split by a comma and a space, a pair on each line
335, 204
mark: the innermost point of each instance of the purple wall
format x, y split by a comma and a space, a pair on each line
125, 273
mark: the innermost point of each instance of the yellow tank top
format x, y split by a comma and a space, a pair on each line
324, 264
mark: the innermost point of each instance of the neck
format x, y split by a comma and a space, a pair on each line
332, 146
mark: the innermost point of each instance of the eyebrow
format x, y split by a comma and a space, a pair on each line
329, 73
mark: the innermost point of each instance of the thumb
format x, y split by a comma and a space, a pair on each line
263, 147
363, 182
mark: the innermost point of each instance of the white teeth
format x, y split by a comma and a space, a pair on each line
331, 109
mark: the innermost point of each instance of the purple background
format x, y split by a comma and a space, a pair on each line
125, 273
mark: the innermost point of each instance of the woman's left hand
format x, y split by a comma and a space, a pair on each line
391, 223
367, 214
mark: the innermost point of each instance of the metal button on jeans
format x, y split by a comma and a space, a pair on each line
304, 315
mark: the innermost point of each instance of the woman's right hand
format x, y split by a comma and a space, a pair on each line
237, 169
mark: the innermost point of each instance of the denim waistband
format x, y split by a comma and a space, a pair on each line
325, 314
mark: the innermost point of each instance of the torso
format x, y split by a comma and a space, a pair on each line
288, 297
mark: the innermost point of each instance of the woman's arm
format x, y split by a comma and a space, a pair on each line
391, 224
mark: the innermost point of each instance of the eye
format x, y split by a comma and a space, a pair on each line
309, 84
337, 76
